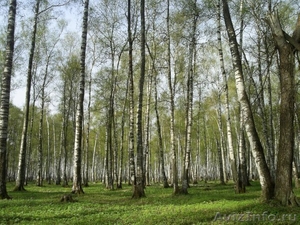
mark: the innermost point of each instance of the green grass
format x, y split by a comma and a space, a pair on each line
41, 205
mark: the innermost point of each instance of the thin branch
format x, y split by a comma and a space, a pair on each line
53, 6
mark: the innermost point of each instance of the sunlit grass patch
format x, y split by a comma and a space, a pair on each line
41, 205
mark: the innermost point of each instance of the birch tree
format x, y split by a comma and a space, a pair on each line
131, 96
5, 96
255, 143
172, 107
228, 118
138, 191
22, 155
77, 182
190, 93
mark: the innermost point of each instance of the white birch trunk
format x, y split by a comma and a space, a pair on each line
256, 146
77, 187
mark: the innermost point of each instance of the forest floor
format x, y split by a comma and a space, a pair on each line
206, 203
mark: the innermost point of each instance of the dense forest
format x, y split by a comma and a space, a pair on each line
144, 92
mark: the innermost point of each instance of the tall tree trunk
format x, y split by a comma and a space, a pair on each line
160, 141
189, 114
198, 164
132, 179
48, 170
147, 127
109, 140
57, 158
87, 140
39, 180
283, 183
5, 96
232, 157
64, 141
77, 187
94, 177
261, 105
120, 174
29, 161
222, 180
138, 191
172, 109
205, 148
22, 155
241, 183
256, 146
109, 150
219, 143
242, 154
116, 151
112, 146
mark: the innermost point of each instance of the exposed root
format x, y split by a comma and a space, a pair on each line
294, 201
19, 188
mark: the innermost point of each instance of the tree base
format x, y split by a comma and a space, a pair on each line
77, 190
138, 191
239, 187
195, 182
67, 198
184, 189
19, 188
176, 190
5, 196
294, 201
291, 201
166, 184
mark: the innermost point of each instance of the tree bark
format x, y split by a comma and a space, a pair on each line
138, 191
172, 109
228, 118
5, 96
39, 180
94, 177
283, 183
222, 180
87, 140
22, 155
256, 146
132, 179
77, 186
147, 127
160, 141
189, 107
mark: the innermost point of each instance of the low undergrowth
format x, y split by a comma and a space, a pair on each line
209, 203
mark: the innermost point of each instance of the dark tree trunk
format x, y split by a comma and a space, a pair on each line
283, 183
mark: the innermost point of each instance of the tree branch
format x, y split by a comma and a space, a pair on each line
280, 35
53, 6
292, 41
